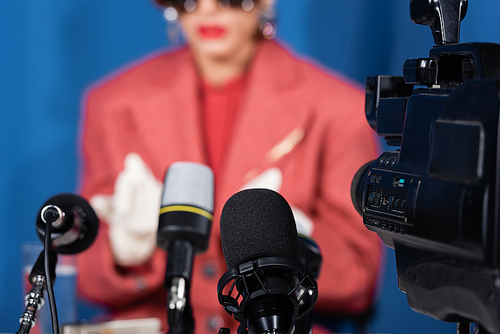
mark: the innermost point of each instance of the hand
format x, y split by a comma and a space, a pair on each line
132, 212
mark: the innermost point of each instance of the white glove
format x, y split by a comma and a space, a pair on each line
272, 179
132, 212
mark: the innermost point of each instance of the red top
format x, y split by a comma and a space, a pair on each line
220, 107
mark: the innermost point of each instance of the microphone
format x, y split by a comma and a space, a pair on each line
261, 249
74, 223
311, 259
186, 216
67, 224
310, 255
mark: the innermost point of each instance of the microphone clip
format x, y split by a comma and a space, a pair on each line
281, 279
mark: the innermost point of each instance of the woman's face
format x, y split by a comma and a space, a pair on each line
221, 33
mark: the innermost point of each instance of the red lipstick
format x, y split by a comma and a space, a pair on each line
212, 31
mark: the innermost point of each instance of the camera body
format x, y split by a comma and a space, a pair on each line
436, 199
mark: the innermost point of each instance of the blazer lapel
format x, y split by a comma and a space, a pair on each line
273, 121
176, 95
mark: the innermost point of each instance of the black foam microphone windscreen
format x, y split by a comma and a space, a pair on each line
257, 223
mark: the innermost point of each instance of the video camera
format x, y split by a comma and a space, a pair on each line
436, 198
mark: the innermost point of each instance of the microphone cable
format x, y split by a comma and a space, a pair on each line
50, 289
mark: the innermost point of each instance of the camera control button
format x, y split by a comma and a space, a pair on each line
371, 198
391, 201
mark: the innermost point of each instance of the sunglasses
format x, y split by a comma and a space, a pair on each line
190, 5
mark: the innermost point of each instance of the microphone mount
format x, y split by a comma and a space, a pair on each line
34, 302
280, 284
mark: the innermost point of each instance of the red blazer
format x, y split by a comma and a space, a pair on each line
294, 117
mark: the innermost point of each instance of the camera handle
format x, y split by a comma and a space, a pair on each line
442, 16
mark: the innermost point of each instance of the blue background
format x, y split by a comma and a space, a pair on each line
50, 51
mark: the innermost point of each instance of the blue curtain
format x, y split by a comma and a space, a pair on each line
50, 51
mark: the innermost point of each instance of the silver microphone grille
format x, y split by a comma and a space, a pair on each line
189, 183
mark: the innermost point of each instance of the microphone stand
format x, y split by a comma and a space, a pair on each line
181, 322
34, 298
177, 281
305, 323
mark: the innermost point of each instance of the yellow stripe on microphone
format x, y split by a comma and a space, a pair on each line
187, 208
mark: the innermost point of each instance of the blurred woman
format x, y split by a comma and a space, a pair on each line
259, 117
